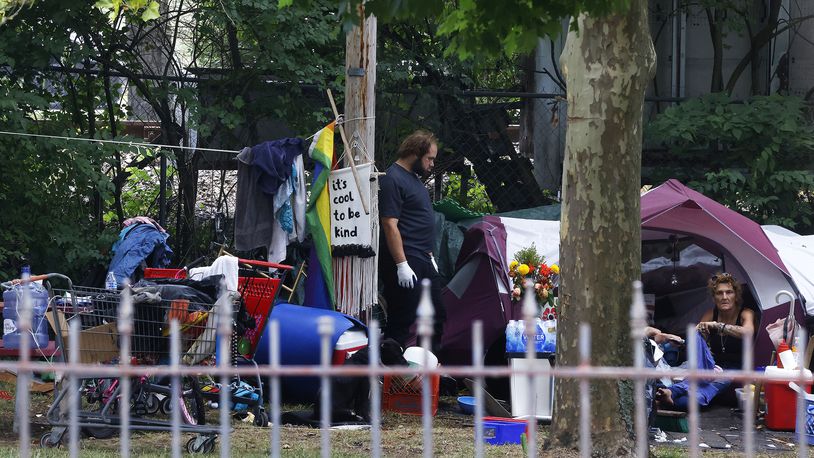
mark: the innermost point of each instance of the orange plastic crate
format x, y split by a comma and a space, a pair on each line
405, 397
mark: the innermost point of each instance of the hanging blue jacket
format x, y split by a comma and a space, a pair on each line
272, 161
139, 243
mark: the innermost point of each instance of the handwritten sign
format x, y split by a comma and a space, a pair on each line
350, 226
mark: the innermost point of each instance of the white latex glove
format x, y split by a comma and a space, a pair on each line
434, 264
407, 278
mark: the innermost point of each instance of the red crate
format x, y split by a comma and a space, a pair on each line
154, 272
258, 294
404, 396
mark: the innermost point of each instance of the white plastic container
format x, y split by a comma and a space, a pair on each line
415, 356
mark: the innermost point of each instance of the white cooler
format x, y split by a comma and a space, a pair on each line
543, 392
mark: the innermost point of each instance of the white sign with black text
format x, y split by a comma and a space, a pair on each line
350, 225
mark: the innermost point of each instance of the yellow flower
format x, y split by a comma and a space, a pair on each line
555, 268
513, 264
523, 269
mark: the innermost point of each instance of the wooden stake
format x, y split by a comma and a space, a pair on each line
349, 155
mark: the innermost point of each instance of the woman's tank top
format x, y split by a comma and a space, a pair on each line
726, 349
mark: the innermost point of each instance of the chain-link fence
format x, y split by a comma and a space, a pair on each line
498, 151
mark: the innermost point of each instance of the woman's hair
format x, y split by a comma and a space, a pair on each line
417, 144
722, 278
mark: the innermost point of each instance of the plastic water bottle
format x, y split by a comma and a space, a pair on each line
550, 330
25, 273
540, 337
511, 336
110, 282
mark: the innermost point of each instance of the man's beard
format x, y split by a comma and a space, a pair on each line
419, 169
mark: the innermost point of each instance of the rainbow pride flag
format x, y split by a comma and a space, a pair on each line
319, 286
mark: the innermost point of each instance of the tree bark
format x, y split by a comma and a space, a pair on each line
717, 39
607, 62
360, 85
756, 43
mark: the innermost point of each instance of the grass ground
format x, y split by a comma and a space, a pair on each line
401, 436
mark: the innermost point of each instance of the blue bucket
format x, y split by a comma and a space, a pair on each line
808, 422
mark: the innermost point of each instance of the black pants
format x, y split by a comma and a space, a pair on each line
403, 302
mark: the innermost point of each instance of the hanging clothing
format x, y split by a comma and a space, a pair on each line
254, 215
289, 212
273, 160
262, 171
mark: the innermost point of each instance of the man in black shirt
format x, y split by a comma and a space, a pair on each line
408, 226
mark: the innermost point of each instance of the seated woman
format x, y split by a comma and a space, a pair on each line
723, 328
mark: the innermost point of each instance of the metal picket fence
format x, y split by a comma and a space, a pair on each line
125, 373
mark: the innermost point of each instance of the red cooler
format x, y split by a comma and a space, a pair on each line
349, 342
781, 401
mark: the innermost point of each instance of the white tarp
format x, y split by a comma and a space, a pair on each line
797, 253
521, 233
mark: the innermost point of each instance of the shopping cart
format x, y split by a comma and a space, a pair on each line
150, 405
259, 283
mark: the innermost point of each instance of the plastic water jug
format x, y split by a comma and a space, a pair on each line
13, 300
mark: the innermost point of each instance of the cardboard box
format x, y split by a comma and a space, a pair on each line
98, 344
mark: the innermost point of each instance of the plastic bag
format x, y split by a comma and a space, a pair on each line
776, 331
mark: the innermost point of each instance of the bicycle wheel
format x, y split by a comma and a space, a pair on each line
99, 392
193, 409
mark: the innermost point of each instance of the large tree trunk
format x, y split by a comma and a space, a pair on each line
608, 63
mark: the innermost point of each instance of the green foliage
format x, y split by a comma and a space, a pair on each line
758, 154
487, 27
10, 8
46, 190
529, 256
281, 52
145, 10
475, 199
139, 193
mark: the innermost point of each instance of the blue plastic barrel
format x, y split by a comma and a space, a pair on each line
13, 300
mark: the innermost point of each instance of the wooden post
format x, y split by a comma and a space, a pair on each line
360, 83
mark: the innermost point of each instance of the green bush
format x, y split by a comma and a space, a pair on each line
753, 156
476, 198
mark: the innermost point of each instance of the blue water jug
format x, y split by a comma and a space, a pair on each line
13, 299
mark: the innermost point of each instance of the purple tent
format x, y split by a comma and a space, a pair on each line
740, 243
478, 291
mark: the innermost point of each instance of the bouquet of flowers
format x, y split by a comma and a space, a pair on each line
530, 265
